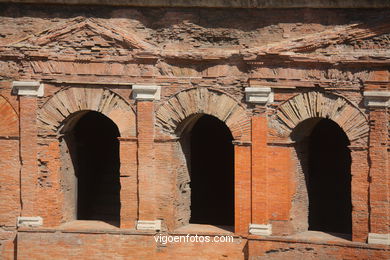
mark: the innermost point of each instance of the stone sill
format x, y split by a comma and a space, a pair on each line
100, 227
221, 3
87, 227
308, 237
318, 238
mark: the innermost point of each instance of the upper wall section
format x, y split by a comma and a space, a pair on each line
145, 35
223, 3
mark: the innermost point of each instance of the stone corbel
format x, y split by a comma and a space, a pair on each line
376, 99
260, 229
28, 88
146, 92
259, 95
379, 239
154, 225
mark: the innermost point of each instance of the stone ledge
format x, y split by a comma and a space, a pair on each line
260, 229
28, 88
146, 92
259, 95
221, 3
376, 98
379, 239
153, 225
287, 239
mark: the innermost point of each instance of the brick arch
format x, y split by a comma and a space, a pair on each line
69, 101
9, 120
323, 105
194, 101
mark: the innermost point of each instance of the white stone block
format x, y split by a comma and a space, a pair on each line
376, 98
260, 229
146, 92
154, 225
30, 221
379, 239
28, 88
259, 95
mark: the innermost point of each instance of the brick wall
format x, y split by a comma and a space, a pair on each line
88, 58
129, 246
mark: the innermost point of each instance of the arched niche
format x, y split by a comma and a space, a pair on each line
185, 112
61, 116
299, 121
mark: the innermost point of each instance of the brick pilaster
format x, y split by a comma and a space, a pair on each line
378, 102
359, 193
279, 187
128, 180
146, 173
242, 188
259, 170
28, 152
379, 172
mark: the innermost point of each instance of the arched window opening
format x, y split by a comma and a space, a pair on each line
94, 149
210, 159
322, 148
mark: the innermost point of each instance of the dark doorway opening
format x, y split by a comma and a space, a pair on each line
329, 179
96, 161
212, 172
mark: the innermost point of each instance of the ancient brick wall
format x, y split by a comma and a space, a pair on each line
317, 63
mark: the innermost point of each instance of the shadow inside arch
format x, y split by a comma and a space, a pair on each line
325, 162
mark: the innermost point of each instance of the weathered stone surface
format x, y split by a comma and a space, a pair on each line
80, 32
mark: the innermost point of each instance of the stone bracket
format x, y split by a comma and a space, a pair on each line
153, 225
260, 229
30, 221
376, 98
379, 239
146, 92
259, 95
28, 88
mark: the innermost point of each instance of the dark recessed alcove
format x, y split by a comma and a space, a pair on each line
95, 155
212, 172
329, 179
